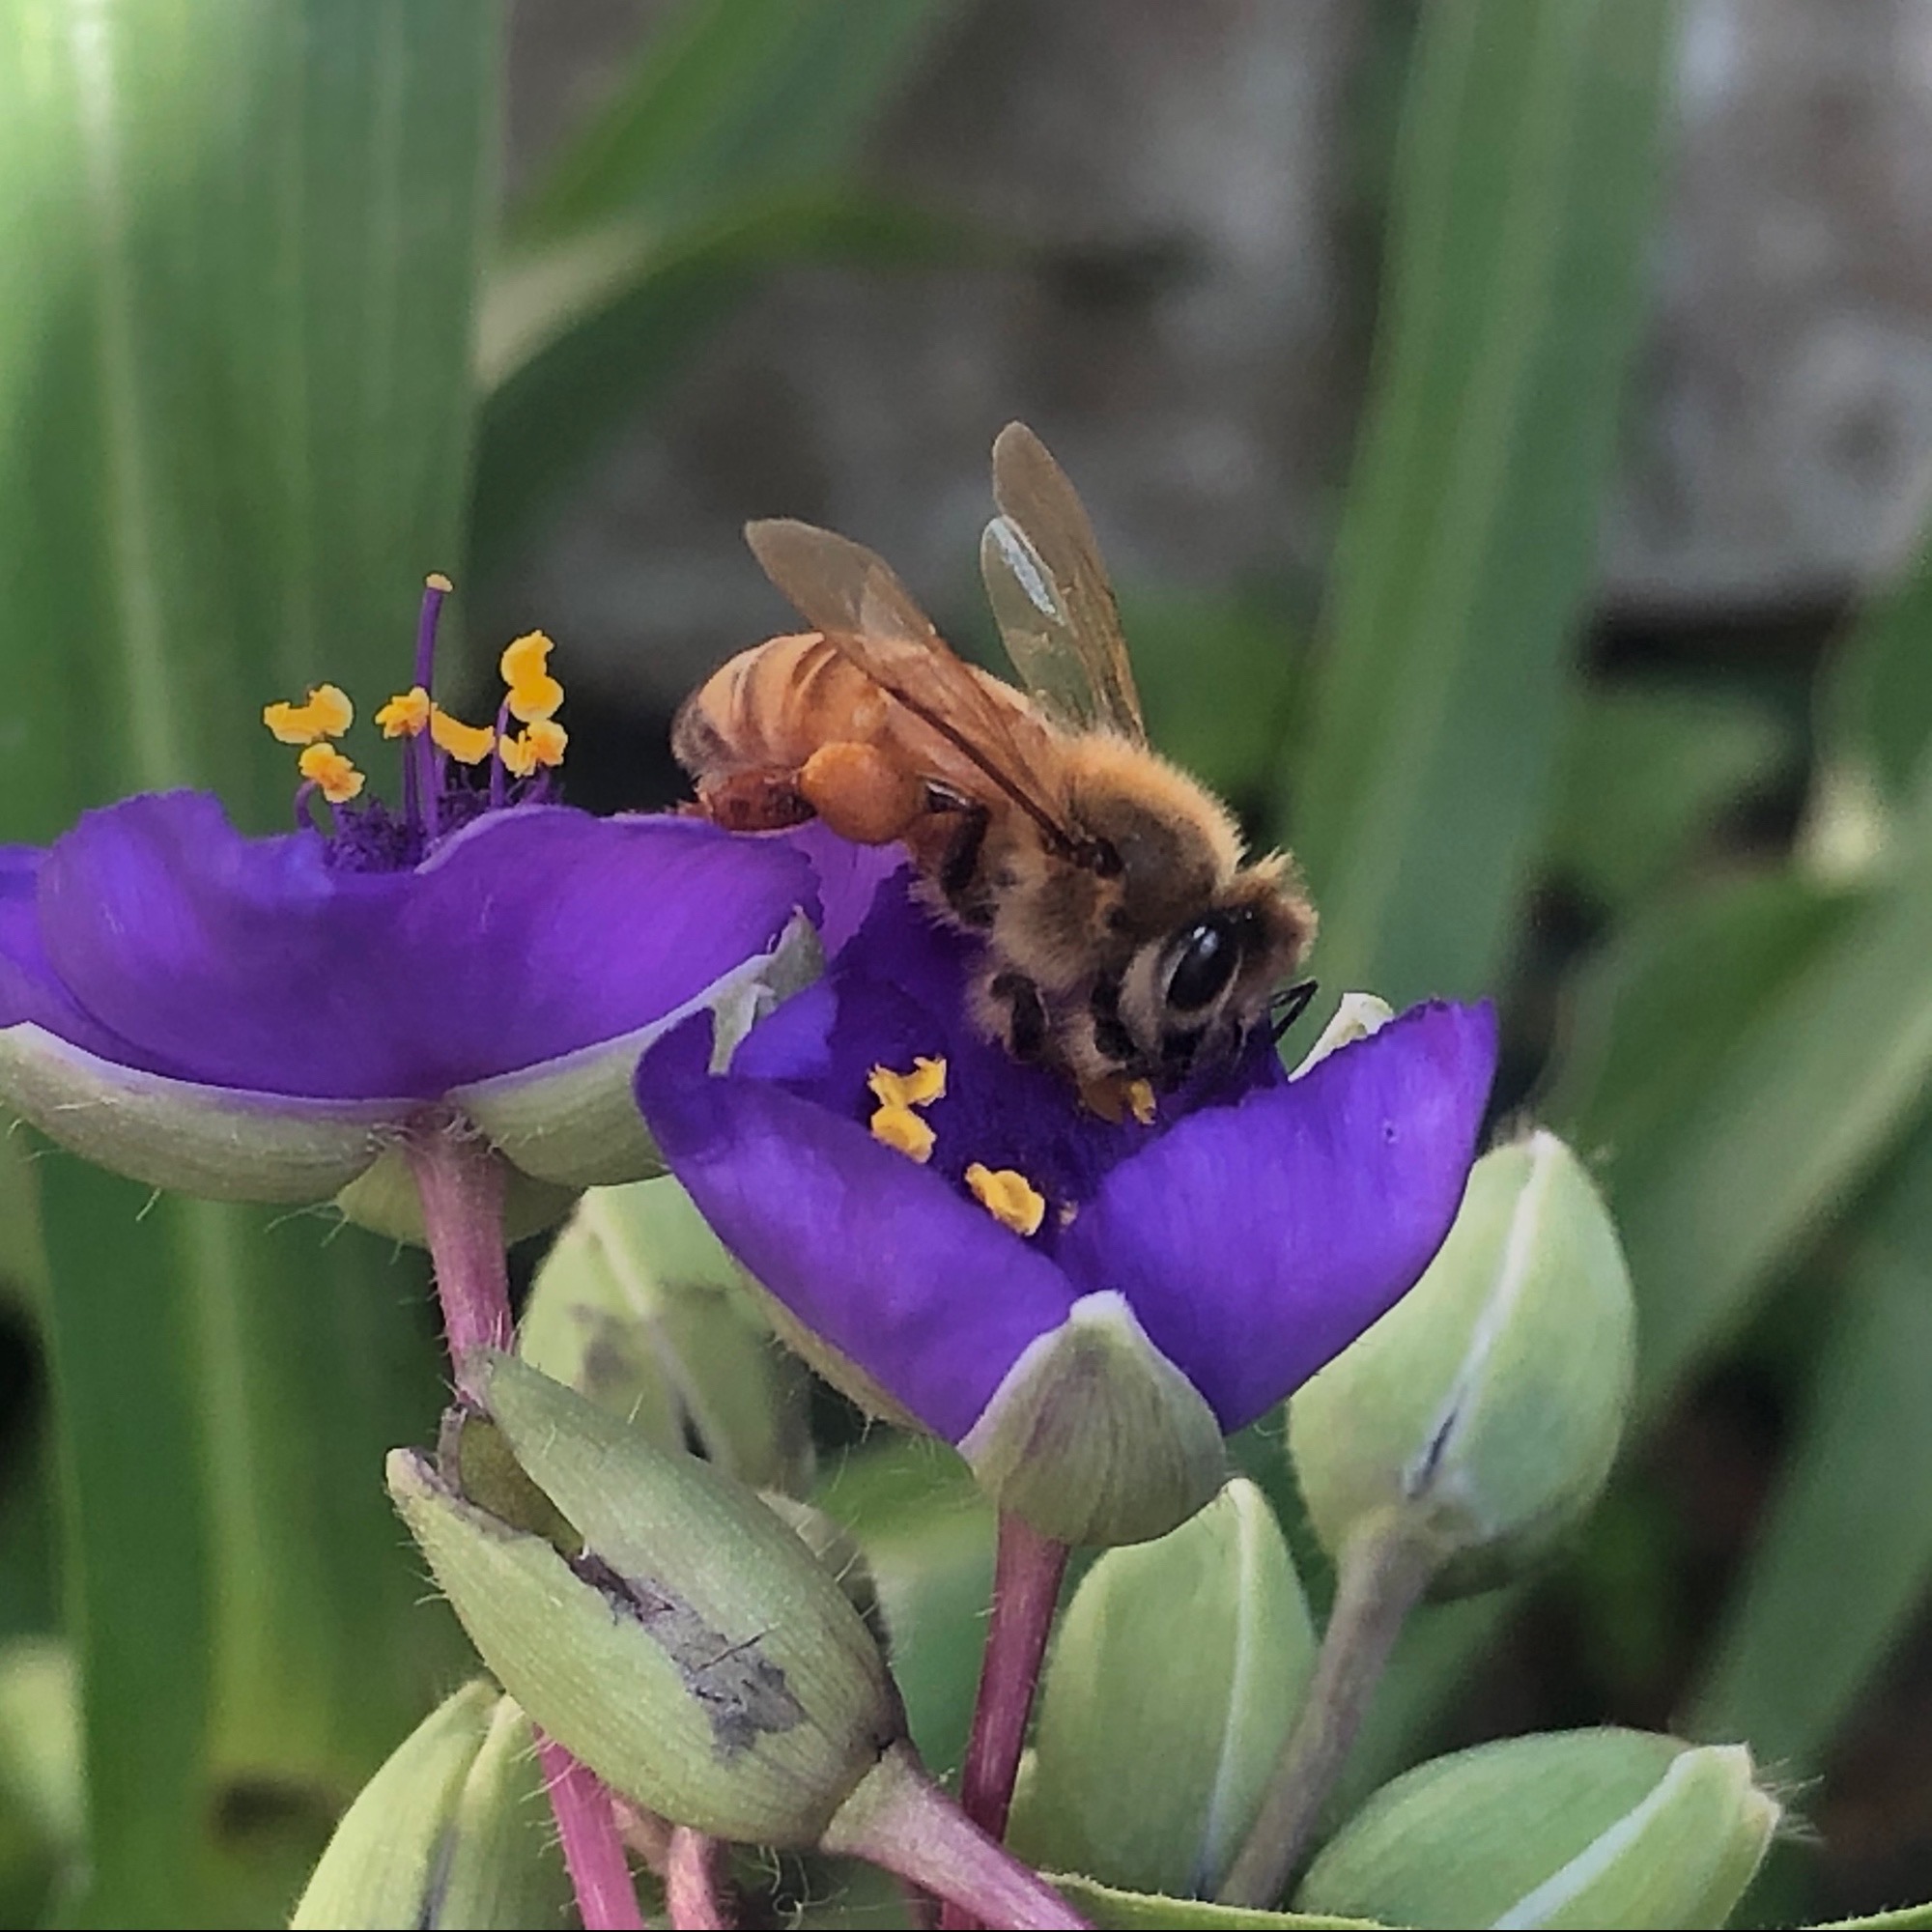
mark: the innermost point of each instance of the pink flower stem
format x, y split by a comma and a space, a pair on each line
900, 1820
593, 1851
461, 1183
1027, 1573
695, 1887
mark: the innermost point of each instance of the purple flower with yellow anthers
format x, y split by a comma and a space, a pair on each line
274, 1018
1084, 1308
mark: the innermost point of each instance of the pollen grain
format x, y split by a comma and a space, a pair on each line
325, 713
1009, 1197
336, 778
901, 1129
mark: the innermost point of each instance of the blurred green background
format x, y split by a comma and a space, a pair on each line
1506, 421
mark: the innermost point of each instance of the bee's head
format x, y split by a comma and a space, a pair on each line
1190, 996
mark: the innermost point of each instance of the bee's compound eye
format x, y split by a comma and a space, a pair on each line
1205, 961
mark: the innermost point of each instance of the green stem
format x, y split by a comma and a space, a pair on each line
899, 1819
1384, 1569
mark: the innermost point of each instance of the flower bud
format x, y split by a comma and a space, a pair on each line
1572, 1827
1179, 1667
452, 1830
639, 1306
1094, 1436
1485, 1408
653, 1616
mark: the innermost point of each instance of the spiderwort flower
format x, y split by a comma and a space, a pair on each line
1084, 1307
271, 1018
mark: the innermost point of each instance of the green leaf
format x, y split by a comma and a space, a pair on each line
1522, 195
1133, 1910
1643, 771
237, 249
1817, 1086
1798, 1647
1682, 990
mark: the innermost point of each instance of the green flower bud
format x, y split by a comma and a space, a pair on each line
654, 1617
1485, 1408
452, 1830
1572, 1829
1179, 1667
1096, 1437
639, 1306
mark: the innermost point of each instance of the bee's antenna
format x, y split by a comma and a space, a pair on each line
1289, 1003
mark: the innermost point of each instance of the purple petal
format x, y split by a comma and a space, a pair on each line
849, 877
249, 962
1257, 1241
30, 990
918, 1286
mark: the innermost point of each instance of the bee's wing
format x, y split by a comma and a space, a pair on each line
865, 614
1050, 593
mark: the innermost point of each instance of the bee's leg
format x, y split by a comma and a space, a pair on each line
1290, 1005
1026, 1015
958, 871
1111, 1038
762, 799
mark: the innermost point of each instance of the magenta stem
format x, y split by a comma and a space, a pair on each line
696, 1888
593, 1852
1027, 1573
461, 1184
899, 1820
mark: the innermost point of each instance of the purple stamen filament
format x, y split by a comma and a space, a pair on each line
421, 779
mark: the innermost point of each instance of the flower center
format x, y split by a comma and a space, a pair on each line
442, 786
1004, 1193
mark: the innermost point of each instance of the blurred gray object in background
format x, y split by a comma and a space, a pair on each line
1188, 328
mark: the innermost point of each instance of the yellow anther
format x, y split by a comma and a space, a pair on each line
437, 581
921, 1088
1009, 1197
1140, 1101
899, 1128
533, 693
325, 767
325, 713
406, 714
467, 744
541, 744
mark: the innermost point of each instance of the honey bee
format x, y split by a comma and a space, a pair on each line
1127, 939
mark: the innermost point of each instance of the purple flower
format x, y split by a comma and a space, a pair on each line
259, 1018
1225, 1251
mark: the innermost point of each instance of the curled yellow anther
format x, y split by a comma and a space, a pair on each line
1140, 1101
541, 744
923, 1085
325, 713
533, 693
437, 581
406, 714
899, 1128
467, 744
1009, 1197
326, 768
